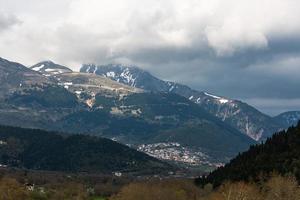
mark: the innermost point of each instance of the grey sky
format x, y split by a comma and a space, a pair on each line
243, 49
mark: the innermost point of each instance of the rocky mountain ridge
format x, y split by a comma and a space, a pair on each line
240, 115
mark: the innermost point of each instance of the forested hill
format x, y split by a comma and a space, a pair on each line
280, 153
42, 150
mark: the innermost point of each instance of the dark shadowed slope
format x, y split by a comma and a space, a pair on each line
41, 150
281, 154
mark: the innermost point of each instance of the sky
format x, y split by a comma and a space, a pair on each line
247, 50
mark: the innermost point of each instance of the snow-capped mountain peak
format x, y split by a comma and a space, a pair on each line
126, 74
239, 115
49, 68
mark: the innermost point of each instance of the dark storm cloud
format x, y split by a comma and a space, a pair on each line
237, 48
272, 72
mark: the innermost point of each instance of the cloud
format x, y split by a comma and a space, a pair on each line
237, 48
125, 29
226, 43
7, 21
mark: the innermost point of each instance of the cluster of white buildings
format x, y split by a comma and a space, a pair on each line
174, 152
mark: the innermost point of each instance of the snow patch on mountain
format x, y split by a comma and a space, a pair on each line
171, 88
38, 68
128, 77
221, 100
111, 74
48, 68
95, 70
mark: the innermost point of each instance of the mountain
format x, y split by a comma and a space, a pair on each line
152, 116
87, 86
129, 75
14, 77
280, 154
42, 150
155, 117
30, 99
288, 119
86, 103
49, 68
240, 115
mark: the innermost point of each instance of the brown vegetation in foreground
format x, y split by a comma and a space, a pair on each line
276, 188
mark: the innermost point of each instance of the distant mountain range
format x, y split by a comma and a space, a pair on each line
131, 106
288, 119
239, 115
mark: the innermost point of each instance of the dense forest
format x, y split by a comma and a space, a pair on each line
42, 150
280, 153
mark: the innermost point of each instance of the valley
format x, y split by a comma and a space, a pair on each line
149, 100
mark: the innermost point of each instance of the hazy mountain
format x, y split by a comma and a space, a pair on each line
238, 114
288, 119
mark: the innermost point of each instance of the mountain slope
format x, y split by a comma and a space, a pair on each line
132, 76
288, 119
41, 150
30, 99
240, 115
281, 153
142, 118
14, 77
87, 86
34, 100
